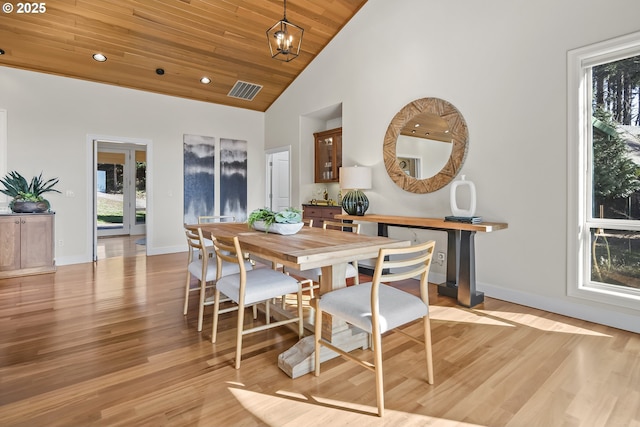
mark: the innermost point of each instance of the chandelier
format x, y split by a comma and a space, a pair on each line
285, 39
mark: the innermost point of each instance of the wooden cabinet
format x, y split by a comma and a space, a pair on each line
328, 155
26, 244
319, 213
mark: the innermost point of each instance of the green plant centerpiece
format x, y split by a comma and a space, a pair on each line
288, 221
27, 196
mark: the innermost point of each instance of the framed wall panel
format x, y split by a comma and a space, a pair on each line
233, 178
199, 177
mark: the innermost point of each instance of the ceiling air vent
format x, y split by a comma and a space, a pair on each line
244, 90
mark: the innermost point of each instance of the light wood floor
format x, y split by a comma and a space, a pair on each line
120, 246
106, 344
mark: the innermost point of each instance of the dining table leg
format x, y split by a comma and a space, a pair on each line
299, 359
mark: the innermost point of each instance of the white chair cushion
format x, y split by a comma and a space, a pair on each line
351, 271
262, 284
353, 304
195, 268
314, 273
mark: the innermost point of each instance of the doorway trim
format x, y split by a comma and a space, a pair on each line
92, 156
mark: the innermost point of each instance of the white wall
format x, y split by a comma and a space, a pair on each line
503, 65
50, 117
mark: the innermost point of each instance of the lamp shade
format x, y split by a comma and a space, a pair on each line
355, 178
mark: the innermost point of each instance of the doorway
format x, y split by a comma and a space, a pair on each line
278, 179
119, 171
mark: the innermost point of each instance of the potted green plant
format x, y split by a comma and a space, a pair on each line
288, 221
27, 196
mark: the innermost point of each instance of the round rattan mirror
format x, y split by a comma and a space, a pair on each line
439, 122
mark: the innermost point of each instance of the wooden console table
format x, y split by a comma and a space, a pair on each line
461, 270
27, 244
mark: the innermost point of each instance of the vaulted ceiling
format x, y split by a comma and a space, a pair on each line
224, 40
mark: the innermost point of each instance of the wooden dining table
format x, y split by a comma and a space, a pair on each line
309, 248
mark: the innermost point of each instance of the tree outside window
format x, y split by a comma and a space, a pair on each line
615, 171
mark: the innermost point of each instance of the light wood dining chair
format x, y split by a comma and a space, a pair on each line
315, 273
204, 219
208, 219
249, 287
201, 265
377, 308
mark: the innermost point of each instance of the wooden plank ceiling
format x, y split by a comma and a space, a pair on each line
224, 40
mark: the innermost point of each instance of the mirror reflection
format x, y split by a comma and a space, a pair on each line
425, 145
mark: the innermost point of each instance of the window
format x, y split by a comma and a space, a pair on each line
604, 171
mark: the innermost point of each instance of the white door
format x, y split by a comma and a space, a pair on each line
278, 180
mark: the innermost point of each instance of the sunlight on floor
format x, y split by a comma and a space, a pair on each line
455, 314
503, 318
541, 323
316, 411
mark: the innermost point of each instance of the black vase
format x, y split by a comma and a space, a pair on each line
355, 203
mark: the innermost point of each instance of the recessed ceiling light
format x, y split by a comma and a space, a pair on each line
99, 57
1, 52
205, 80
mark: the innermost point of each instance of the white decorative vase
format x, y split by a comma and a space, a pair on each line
278, 228
455, 209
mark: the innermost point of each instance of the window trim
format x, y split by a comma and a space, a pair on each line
579, 221
3, 151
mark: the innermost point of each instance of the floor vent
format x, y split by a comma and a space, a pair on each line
244, 90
